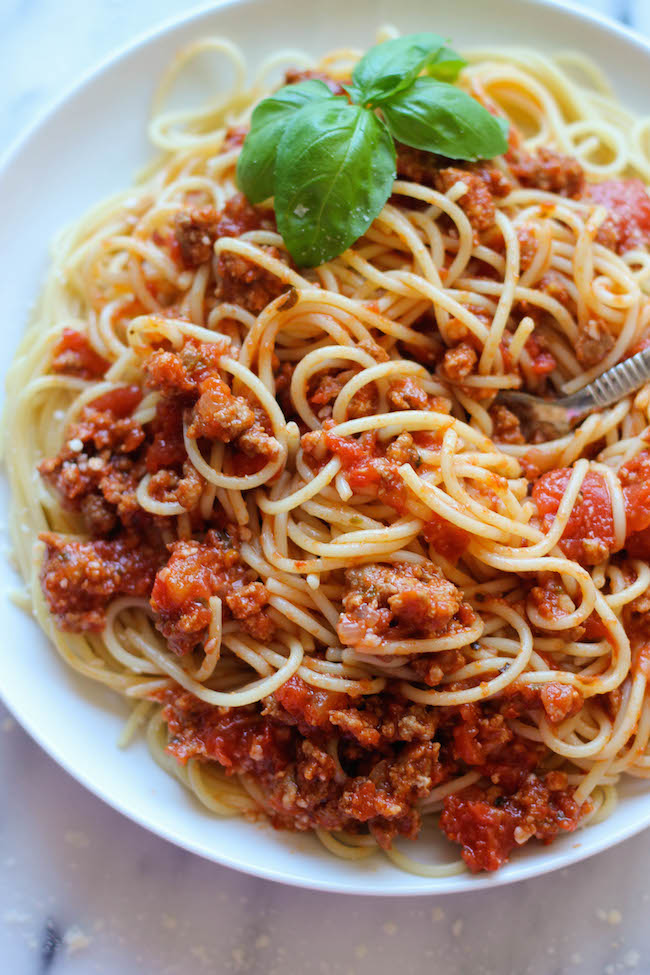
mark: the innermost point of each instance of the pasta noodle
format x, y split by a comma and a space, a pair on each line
379, 600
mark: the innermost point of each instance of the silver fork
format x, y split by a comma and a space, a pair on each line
555, 418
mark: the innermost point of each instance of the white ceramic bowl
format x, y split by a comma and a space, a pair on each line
91, 144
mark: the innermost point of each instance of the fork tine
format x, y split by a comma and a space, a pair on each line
535, 415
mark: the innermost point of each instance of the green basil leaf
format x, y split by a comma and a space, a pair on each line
392, 66
446, 65
256, 163
356, 94
440, 118
334, 172
504, 125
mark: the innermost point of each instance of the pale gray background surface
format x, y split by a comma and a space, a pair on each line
82, 890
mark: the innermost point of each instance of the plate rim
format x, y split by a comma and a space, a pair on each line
361, 885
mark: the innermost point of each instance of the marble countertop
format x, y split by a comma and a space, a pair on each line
83, 890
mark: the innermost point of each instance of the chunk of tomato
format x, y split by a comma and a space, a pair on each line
589, 533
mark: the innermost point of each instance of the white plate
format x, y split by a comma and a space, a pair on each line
90, 145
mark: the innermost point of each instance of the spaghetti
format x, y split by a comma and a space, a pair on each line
283, 513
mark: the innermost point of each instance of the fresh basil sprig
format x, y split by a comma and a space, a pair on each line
392, 66
329, 163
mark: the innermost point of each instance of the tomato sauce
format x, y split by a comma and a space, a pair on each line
635, 478
73, 355
447, 539
589, 533
367, 472
229, 736
309, 705
542, 362
121, 402
629, 207
168, 448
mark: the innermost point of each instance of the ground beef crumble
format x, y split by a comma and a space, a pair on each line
507, 428
247, 284
189, 379
195, 232
489, 824
459, 362
239, 280
477, 201
547, 170
80, 579
398, 601
219, 415
594, 342
99, 466
197, 571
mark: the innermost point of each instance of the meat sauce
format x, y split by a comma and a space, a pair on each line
240, 281
97, 471
391, 754
547, 170
490, 828
195, 572
284, 748
542, 362
323, 759
96, 475
80, 579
